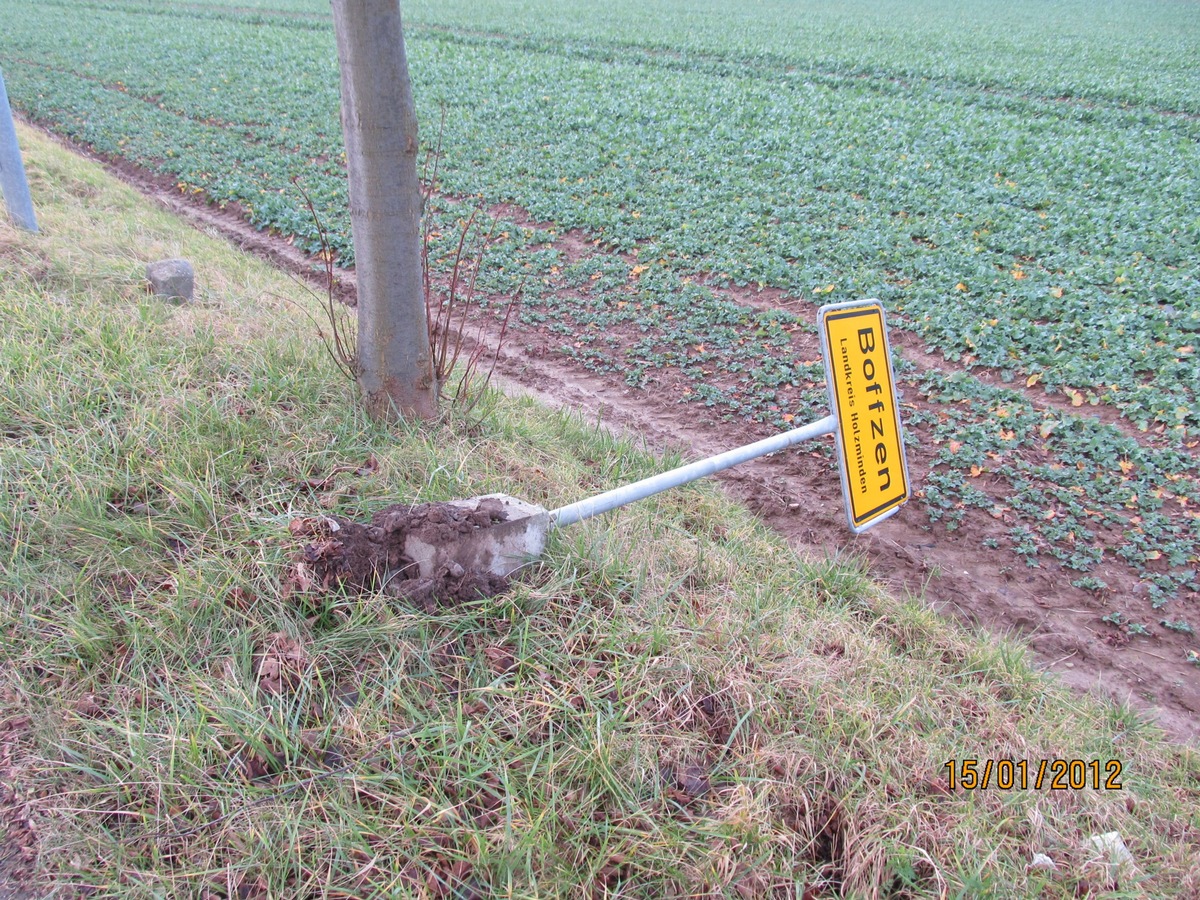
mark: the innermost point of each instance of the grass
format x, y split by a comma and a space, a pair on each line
673, 704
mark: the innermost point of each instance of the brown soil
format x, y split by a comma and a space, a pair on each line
798, 494
351, 556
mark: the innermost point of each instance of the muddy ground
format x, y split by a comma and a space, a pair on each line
797, 494
354, 556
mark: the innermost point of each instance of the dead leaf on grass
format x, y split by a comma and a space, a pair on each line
500, 659
240, 599
685, 782
88, 708
281, 665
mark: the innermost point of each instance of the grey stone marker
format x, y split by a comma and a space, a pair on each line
172, 278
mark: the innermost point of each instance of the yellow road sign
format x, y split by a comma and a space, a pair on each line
862, 395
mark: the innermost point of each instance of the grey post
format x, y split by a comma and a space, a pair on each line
12, 171
639, 490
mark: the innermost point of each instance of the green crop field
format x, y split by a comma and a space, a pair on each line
1018, 182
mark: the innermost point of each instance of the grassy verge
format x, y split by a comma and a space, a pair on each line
674, 704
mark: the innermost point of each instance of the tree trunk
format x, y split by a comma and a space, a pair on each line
379, 121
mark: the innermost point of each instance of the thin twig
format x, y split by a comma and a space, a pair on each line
344, 348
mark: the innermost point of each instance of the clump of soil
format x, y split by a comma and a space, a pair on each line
363, 558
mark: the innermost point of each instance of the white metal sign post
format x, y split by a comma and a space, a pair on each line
865, 417
12, 170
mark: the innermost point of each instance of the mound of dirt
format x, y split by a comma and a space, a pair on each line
344, 555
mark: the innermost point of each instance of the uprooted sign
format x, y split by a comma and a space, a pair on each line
862, 395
